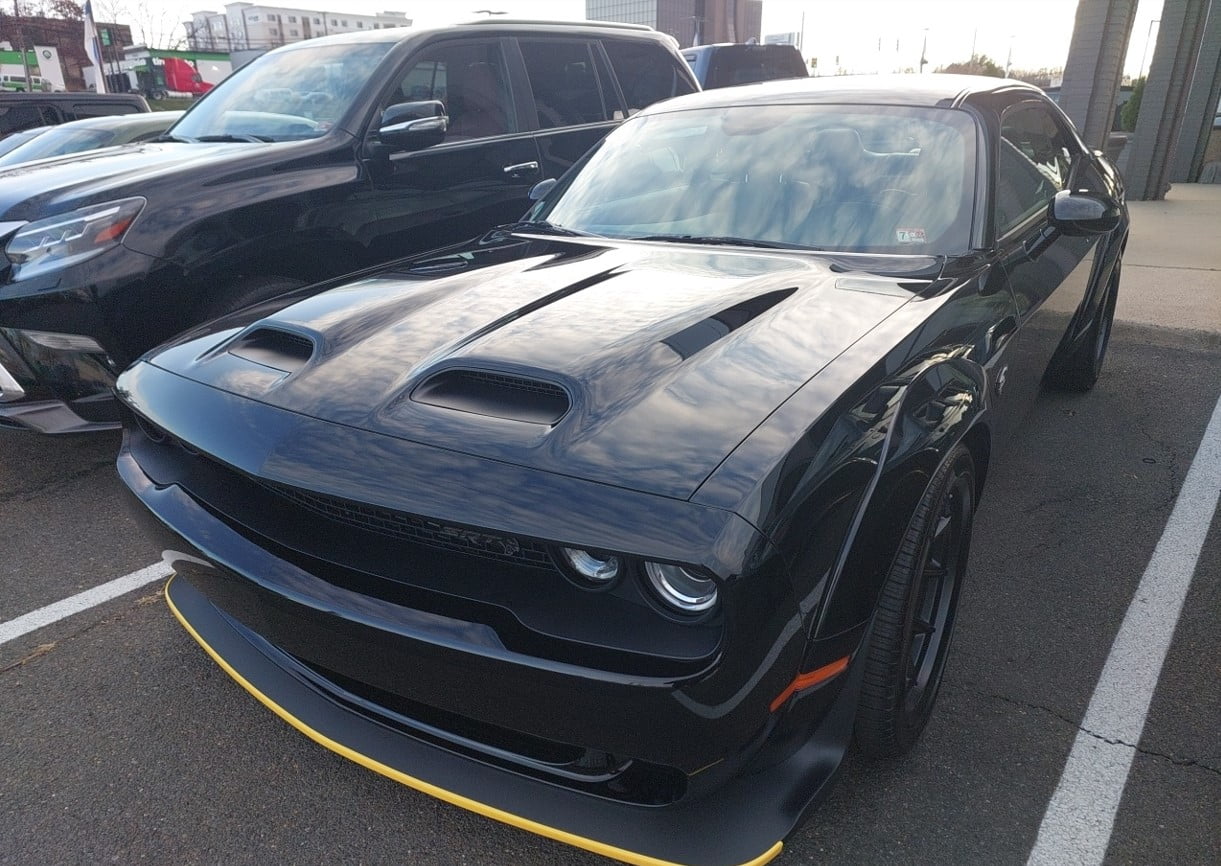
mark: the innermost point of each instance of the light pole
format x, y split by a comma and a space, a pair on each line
924, 51
1148, 35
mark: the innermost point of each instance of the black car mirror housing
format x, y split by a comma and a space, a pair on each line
539, 191
413, 125
1084, 213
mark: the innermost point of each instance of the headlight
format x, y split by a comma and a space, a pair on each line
56, 242
681, 589
593, 567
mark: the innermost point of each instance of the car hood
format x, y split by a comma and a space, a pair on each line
36, 189
635, 364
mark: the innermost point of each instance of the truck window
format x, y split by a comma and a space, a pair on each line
565, 86
646, 73
472, 81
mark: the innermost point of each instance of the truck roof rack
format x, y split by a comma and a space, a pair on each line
610, 25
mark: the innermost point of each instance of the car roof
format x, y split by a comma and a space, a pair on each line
120, 121
931, 91
395, 35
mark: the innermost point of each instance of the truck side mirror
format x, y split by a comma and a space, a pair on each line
413, 125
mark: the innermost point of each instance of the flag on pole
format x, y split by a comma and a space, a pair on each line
93, 48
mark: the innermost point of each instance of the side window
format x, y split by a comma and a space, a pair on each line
102, 109
472, 81
1034, 164
14, 118
564, 83
647, 73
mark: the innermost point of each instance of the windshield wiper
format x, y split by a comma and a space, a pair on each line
543, 227
241, 136
716, 240
181, 139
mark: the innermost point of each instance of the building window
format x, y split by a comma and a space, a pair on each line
252, 18
293, 33
334, 23
292, 19
360, 24
344, 22
317, 20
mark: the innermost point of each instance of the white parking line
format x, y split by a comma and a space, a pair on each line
1081, 815
36, 619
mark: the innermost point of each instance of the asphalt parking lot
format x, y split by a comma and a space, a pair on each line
120, 741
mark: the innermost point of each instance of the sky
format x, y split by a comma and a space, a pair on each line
1030, 34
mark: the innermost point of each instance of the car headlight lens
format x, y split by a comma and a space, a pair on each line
681, 589
591, 566
56, 242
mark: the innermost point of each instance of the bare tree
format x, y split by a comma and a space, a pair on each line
156, 27
65, 9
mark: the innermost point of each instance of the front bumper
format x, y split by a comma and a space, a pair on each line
46, 385
436, 701
53, 392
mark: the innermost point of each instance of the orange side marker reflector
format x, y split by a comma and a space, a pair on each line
813, 678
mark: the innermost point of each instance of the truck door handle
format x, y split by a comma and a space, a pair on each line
1000, 332
522, 168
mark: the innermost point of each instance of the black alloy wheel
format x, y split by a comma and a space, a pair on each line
914, 623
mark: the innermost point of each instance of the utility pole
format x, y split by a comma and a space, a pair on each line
924, 51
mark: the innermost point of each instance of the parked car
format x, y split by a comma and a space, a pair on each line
93, 133
17, 139
317, 159
20, 111
615, 524
729, 64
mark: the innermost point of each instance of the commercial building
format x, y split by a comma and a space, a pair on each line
59, 47
249, 26
691, 22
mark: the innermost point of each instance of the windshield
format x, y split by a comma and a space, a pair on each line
14, 141
879, 179
56, 142
284, 96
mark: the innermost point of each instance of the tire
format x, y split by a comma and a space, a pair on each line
243, 293
914, 623
1079, 370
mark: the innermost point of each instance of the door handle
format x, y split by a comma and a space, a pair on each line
1000, 332
1040, 242
522, 168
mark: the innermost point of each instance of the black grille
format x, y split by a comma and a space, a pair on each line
494, 394
420, 530
529, 386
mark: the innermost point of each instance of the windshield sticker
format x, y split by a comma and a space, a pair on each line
909, 236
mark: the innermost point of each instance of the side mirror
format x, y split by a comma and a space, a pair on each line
1084, 213
413, 125
540, 189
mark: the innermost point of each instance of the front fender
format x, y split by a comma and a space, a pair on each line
937, 404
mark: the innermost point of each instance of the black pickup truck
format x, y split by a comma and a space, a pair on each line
316, 160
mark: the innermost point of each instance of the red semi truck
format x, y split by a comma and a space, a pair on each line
169, 76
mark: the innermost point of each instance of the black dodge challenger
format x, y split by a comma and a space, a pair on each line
619, 523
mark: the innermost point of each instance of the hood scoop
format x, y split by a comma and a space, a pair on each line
705, 332
495, 394
281, 350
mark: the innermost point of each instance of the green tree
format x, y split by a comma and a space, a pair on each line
1131, 108
979, 64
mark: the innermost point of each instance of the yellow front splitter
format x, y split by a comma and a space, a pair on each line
668, 833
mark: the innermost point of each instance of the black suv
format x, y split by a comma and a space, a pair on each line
20, 111
316, 160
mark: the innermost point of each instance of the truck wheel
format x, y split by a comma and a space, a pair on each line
915, 616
